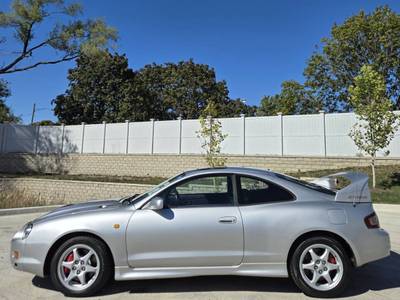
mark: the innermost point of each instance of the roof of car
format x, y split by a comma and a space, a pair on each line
236, 170
273, 176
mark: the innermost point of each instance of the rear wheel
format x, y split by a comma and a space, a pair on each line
81, 266
320, 267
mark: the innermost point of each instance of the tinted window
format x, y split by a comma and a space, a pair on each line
136, 198
201, 191
306, 184
256, 191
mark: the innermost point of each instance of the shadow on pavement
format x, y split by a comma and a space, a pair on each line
376, 276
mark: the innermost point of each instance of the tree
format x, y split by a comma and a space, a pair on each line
211, 134
294, 98
270, 105
67, 39
6, 115
45, 123
372, 39
236, 107
101, 88
181, 89
377, 123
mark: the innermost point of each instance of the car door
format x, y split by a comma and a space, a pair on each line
199, 226
267, 210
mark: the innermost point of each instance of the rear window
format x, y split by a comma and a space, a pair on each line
306, 184
256, 191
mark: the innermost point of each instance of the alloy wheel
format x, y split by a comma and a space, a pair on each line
321, 267
78, 267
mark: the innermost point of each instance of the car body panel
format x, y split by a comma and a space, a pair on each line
244, 269
185, 237
190, 241
98, 220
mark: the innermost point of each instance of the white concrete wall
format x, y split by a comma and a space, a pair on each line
93, 138
338, 141
16, 138
73, 138
49, 139
303, 135
263, 135
233, 128
190, 142
140, 137
166, 137
298, 135
115, 137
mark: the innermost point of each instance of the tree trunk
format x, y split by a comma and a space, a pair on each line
373, 171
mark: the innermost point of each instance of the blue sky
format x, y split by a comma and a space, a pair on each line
254, 45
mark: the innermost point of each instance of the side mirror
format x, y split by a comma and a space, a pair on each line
156, 203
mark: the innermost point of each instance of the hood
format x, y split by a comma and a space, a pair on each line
81, 208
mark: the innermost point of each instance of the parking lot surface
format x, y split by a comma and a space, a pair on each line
378, 280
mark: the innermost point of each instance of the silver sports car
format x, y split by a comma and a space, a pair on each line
221, 221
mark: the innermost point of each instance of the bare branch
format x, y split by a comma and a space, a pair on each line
24, 54
28, 37
24, 51
69, 39
52, 62
38, 46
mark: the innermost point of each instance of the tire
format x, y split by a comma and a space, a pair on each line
311, 273
79, 260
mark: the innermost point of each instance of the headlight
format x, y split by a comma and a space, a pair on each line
27, 230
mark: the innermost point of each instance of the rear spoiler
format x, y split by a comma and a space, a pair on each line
356, 192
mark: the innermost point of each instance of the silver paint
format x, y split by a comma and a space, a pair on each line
249, 240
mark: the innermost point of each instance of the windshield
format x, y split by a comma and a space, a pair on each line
136, 198
306, 184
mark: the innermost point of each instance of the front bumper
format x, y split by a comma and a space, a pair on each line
22, 258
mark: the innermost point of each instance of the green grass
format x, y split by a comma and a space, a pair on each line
387, 181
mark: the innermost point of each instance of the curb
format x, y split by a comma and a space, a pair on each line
27, 210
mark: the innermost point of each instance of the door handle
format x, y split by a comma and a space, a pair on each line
227, 220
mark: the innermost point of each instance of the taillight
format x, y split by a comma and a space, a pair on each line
372, 221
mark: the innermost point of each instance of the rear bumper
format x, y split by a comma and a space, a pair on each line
373, 246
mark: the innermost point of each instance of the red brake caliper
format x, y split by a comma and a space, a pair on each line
70, 257
332, 259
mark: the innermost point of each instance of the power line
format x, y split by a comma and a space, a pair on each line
34, 110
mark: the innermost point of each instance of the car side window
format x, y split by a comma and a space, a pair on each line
201, 191
256, 191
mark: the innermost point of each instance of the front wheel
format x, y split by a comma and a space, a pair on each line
81, 266
320, 267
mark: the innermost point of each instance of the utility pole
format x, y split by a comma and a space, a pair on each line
33, 113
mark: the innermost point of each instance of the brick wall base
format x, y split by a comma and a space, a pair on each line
166, 165
69, 191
